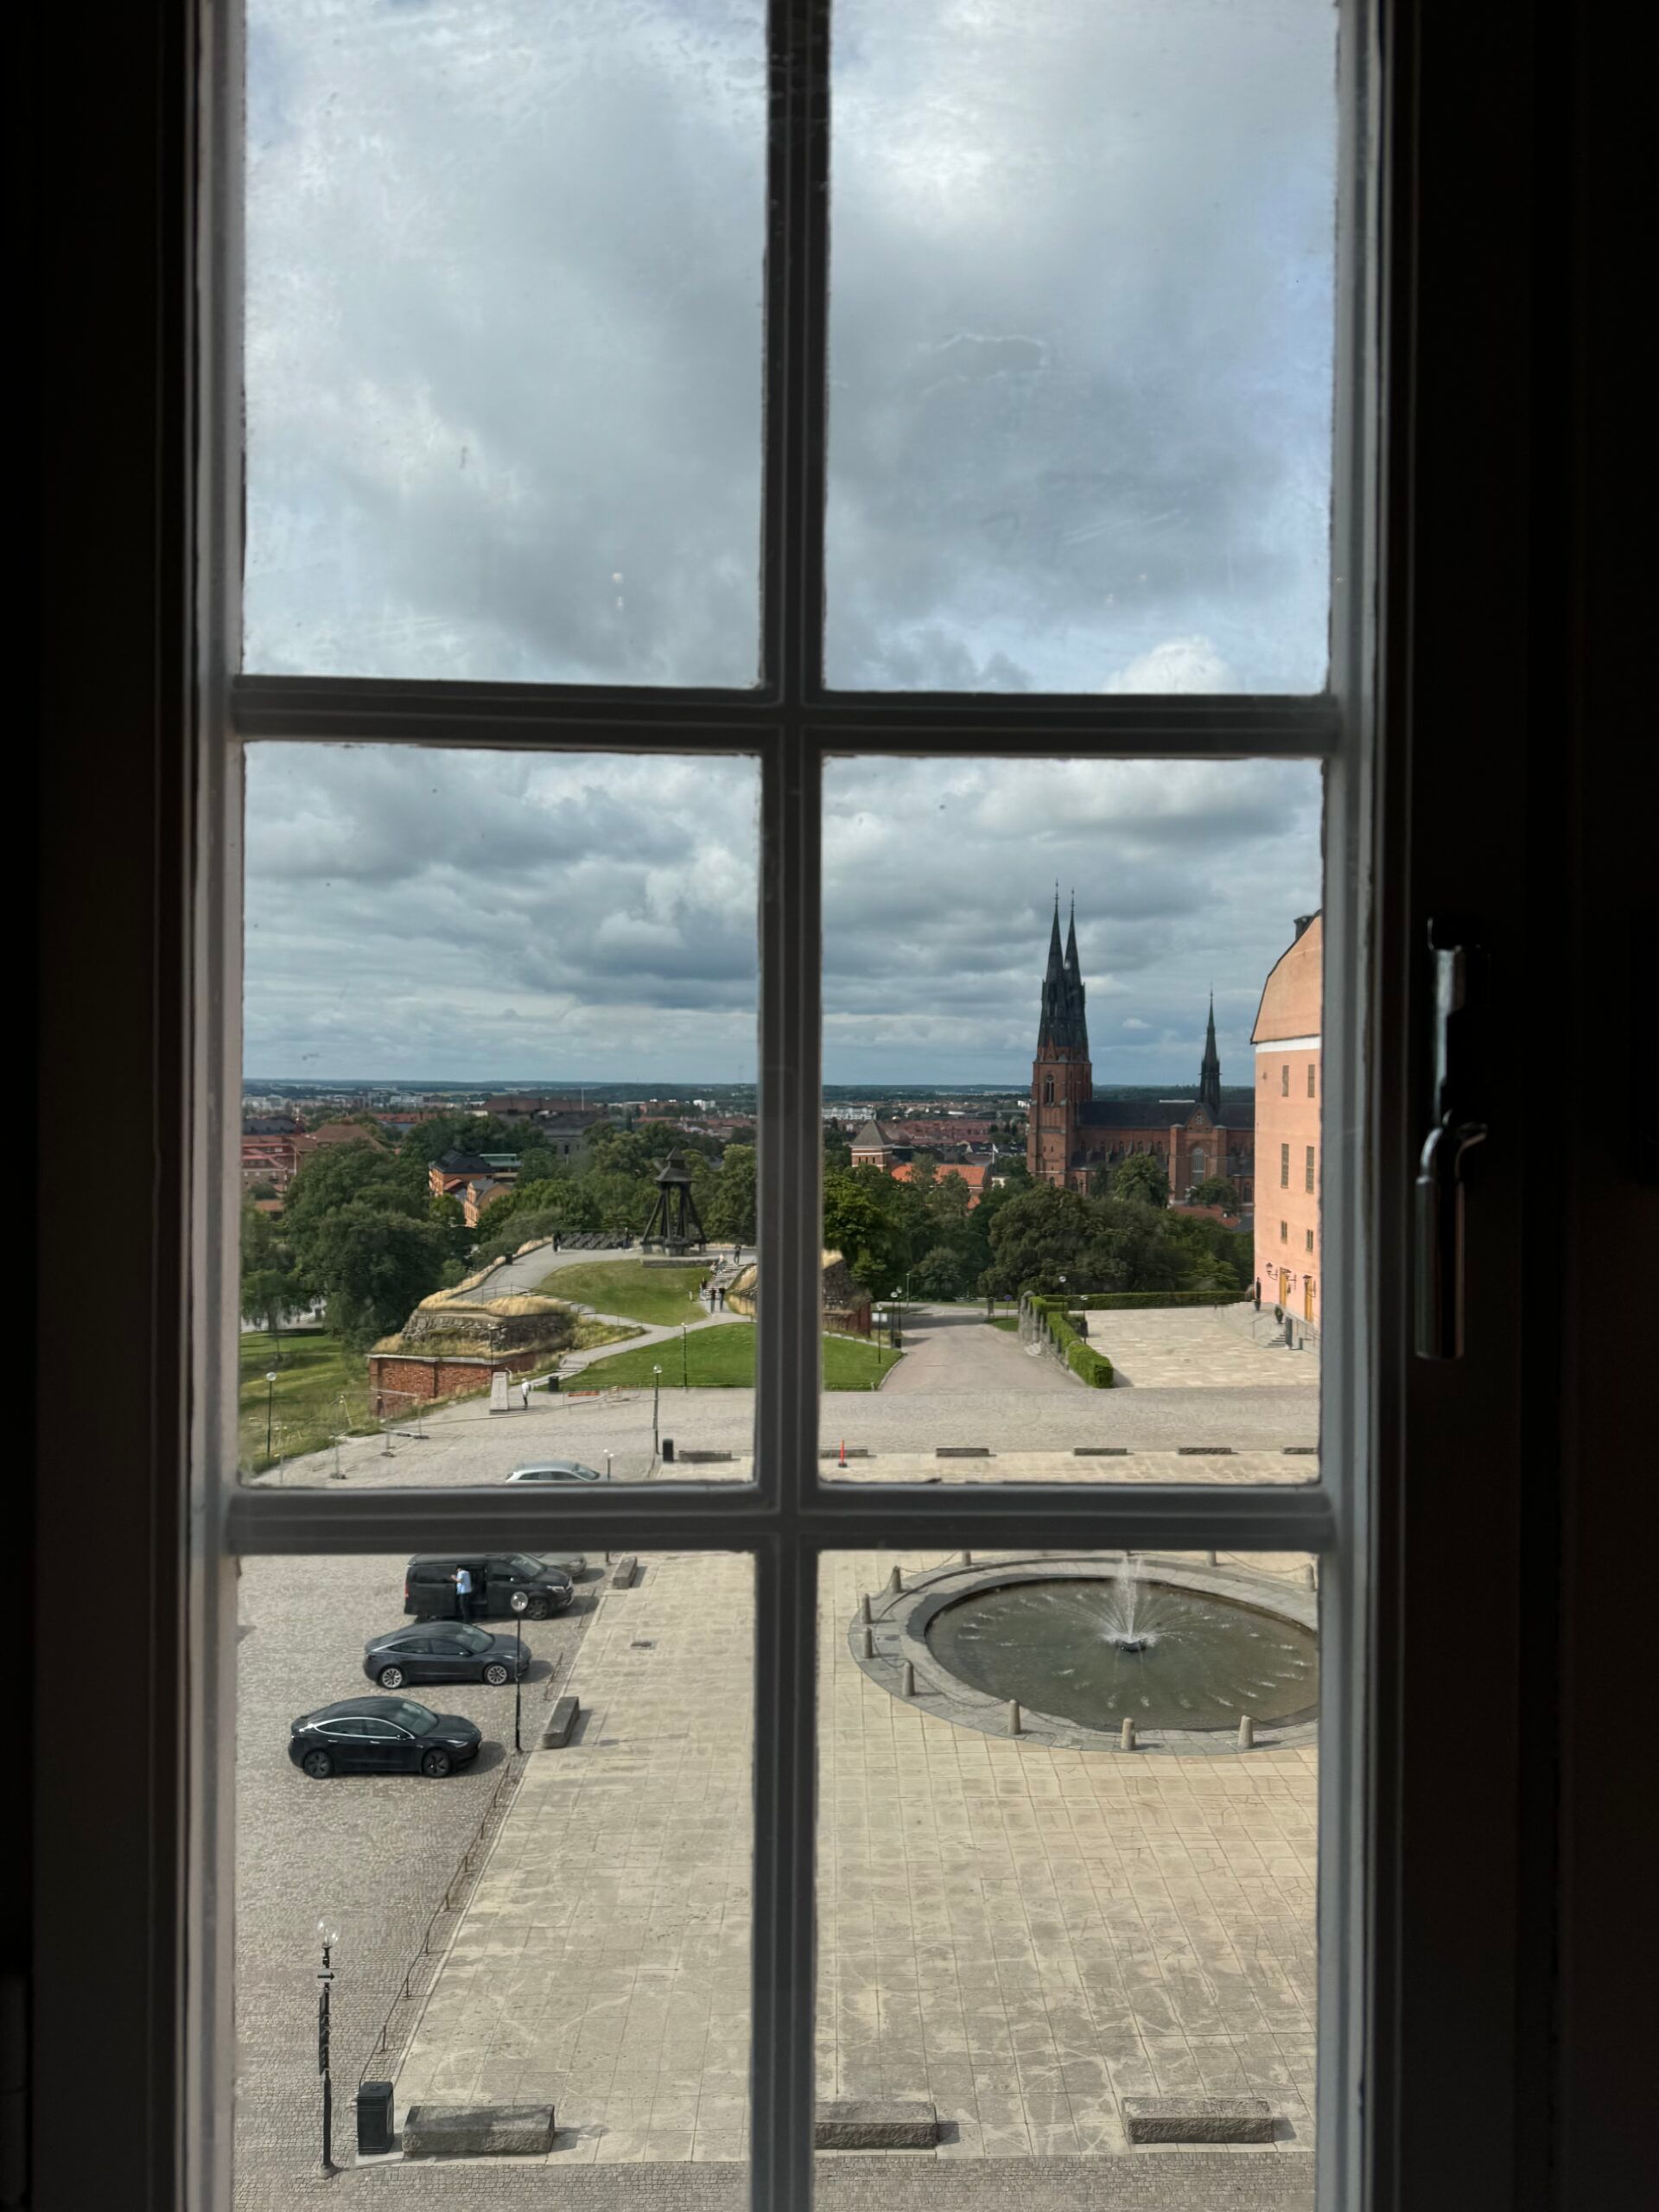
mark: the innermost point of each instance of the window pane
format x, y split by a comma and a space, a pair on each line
498, 1148
503, 351
1081, 346
1044, 1259
1035, 1932
566, 1926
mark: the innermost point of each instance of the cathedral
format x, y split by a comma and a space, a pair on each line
1072, 1133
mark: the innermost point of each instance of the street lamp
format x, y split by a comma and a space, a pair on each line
325, 1985
656, 1390
685, 1372
271, 1397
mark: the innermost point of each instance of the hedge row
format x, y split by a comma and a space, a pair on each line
1089, 1366
1122, 1301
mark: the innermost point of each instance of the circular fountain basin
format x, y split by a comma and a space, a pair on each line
1097, 1650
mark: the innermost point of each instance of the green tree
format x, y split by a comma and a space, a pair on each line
269, 1292
1140, 1178
731, 1216
1217, 1191
862, 1222
940, 1274
375, 1266
343, 1175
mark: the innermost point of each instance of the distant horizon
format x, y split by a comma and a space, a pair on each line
659, 1085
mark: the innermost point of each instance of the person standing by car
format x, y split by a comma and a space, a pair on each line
463, 1581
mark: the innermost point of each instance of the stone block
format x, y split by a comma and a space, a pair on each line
875, 2124
626, 1572
963, 1452
1197, 2119
556, 1734
478, 2132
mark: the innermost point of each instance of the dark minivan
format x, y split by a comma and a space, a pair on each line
504, 1583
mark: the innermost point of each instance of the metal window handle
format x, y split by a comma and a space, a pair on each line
1439, 1188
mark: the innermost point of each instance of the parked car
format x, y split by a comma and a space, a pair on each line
453, 1653
556, 1471
504, 1583
381, 1735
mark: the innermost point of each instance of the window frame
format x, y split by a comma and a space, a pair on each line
791, 723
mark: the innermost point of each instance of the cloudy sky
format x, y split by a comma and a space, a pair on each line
504, 422
494, 918
503, 340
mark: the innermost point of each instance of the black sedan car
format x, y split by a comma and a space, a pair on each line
381, 1735
443, 1651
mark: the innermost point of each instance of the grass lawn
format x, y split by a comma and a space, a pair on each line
1006, 1321
658, 1295
321, 1391
723, 1358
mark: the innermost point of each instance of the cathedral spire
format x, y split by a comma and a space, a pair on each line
1061, 1020
1210, 1070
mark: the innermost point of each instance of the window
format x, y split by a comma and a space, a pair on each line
1284, 1165
1284, 1080
1284, 1232
1313, 1073
1308, 1169
946, 640
1308, 1240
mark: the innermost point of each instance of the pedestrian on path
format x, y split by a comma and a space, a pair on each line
523, 1390
463, 1581
556, 1240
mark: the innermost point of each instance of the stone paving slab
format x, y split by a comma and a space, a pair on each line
1195, 1349
1022, 1935
1178, 2180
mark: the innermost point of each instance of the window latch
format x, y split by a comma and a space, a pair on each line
1453, 1136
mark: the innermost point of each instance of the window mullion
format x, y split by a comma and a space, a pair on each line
784, 1922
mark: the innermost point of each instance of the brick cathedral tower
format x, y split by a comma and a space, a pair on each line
1062, 1080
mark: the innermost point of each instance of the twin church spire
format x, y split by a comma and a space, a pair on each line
1063, 1024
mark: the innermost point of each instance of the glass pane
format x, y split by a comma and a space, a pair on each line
503, 343
1071, 1140
1081, 346
499, 1137
563, 1926
1067, 1845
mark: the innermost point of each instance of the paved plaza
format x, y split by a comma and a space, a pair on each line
1021, 1935
1200, 1349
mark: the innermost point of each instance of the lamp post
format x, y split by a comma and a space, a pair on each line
325, 1985
685, 1371
656, 1390
518, 1682
270, 1400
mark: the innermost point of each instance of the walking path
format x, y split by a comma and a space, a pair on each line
950, 1351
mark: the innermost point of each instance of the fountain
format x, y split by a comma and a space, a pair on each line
1090, 1645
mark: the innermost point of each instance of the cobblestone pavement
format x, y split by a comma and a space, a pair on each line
372, 1855
1021, 1934
949, 1349
1195, 1350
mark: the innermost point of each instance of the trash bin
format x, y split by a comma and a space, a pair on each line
374, 2135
